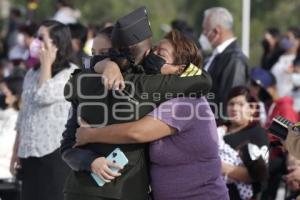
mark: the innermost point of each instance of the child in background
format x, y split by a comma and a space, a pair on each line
10, 93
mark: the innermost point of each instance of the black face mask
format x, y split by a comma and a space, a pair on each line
265, 44
264, 96
97, 58
3, 104
153, 63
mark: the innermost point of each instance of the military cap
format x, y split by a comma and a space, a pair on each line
131, 29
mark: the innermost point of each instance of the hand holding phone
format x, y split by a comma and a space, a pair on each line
115, 157
280, 126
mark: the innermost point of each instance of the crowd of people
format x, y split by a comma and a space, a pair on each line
191, 126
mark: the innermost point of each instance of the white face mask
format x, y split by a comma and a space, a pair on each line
296, 79
6, 72
20, 40
34, 49
205, 43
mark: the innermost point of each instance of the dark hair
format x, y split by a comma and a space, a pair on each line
78, 31
186, 29
238, 91
181, 26
16, 12
244, 91
132, 56
296, 61
61, 37
185, 50
275, 32
14, 84
29, 29
295, 31
107, 31
66, 3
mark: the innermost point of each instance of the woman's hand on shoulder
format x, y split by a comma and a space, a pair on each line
112, 76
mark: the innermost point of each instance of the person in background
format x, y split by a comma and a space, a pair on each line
227, 65
10, 96
79, 37
92, 31
275, 105
292, 145
243, 128
19, 55
10, 31
271, 49
292, 177
100, 46
43, 115
186, 29
290, 44
255, 92
17, 61
28, 31
232, 157
102, 42
10, 99
65, 13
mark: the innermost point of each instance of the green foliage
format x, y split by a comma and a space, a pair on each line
264, 13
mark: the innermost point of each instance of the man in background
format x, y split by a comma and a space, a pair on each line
227, 65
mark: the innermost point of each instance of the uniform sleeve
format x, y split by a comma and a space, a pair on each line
160, 88
78, 159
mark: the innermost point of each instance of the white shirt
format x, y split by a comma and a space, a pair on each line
219, 49
67, 15
284, 79
43, 114
8, 120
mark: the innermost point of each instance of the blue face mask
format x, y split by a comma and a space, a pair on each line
285, 44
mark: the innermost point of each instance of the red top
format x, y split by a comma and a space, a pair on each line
284, 108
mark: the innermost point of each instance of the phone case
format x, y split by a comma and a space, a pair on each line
279, 127
118, 157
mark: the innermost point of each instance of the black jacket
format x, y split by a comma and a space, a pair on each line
102, 109
228, 69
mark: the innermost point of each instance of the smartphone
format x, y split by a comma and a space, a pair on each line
118, 157
279, 127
